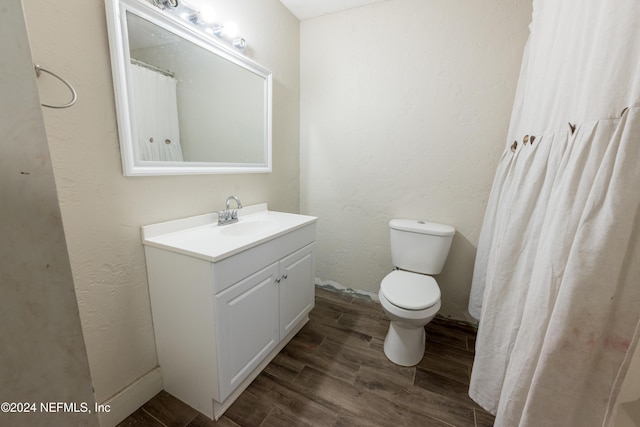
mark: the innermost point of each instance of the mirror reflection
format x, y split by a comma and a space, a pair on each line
190, 104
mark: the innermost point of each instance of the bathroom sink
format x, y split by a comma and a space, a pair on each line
201, 236
248, 228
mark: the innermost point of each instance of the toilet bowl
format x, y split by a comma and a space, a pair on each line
409, 296
408, 314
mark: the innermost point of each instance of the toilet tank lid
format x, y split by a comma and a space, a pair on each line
417, 226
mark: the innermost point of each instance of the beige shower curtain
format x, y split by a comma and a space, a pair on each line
557, 278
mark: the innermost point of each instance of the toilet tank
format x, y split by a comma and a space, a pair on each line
420, 246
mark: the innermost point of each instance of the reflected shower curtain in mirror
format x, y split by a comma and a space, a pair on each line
156, 113
556, 283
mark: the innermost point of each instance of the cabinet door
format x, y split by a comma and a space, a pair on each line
296, 288
247, 326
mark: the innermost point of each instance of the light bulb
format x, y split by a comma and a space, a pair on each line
239, 44
230, 30
207, 14
216, 30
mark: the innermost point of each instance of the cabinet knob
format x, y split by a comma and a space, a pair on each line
284, 276
277, 280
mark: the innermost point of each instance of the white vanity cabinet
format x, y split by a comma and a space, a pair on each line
296, 297
220, 314
255, 314
247, 326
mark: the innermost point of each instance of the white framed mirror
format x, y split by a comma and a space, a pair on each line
186, 103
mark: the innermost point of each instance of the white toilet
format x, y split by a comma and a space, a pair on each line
409, 295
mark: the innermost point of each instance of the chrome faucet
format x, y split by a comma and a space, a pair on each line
229, 216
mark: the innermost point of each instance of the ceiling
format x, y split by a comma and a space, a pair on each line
305, 9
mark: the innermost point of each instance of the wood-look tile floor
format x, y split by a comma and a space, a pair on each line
334, 373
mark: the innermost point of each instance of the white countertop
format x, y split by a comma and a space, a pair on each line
201, 236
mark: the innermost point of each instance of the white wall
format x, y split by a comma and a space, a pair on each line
405, 106
42, 353
102, 211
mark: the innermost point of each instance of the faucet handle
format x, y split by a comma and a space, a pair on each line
228, 215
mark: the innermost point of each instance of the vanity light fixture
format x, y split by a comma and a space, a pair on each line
207, 15
204, 19
215, 29
240, 44
230, 30
163, 4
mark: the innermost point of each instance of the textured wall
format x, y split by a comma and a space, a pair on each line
102, 211
42, 353
405, 106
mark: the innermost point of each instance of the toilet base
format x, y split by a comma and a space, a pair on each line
404, 346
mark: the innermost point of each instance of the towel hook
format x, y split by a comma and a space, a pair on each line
74, 95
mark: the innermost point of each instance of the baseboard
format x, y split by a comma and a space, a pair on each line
128, 400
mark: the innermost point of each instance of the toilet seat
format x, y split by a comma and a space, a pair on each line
410, 291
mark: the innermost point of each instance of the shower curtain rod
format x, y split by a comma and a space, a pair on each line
152, 68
